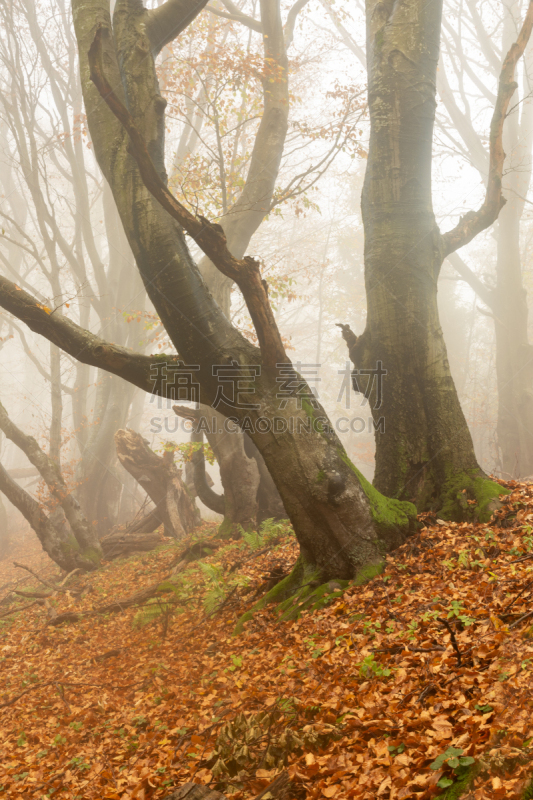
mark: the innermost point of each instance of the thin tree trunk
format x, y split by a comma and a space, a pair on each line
83, 539
56, 405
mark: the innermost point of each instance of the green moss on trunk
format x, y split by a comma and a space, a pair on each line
474, 486
394, 519
299, 591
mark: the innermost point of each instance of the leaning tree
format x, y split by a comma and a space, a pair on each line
342, 523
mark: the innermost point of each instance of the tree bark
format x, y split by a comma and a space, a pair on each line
83, 539
425, 452
161, 480
343, 525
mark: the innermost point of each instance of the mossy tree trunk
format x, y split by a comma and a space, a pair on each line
342, 523
424, 450
340, 529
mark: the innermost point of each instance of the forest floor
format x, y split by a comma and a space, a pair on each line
412, 683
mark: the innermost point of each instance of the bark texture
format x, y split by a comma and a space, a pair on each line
161, 480
342, 524
425, 452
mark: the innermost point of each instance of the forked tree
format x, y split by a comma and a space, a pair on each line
342, 523
424, 449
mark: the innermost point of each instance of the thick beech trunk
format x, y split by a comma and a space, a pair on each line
161, 480
424, 448
343, 525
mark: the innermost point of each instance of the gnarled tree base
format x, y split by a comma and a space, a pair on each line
468, 496
302, 589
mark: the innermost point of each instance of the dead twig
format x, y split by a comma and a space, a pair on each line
454, 640
508, 606
66, 683
20, 608
41, 580
522, 619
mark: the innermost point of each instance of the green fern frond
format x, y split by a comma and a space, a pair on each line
151, 611
253, 539
528, 791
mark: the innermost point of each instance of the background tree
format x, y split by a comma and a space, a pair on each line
506, 296
62, 236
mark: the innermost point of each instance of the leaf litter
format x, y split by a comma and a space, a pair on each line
415, 685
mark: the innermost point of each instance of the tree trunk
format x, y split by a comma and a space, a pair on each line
250, 494
514, 354
5, 542
99, 487
508, 302
216, 502
161, 480
269, 502
82, 537
424, 450
56, 540
249, 491
343, 525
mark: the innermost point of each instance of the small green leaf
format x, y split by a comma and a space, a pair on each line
444, 783
465, 761
453, 751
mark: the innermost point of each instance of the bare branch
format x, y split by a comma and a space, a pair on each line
482, 291
81, 344
210, 238
476, 221
163, 24
348, 40
292, 16
236, 15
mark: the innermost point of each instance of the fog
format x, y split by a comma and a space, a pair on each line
64, 243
